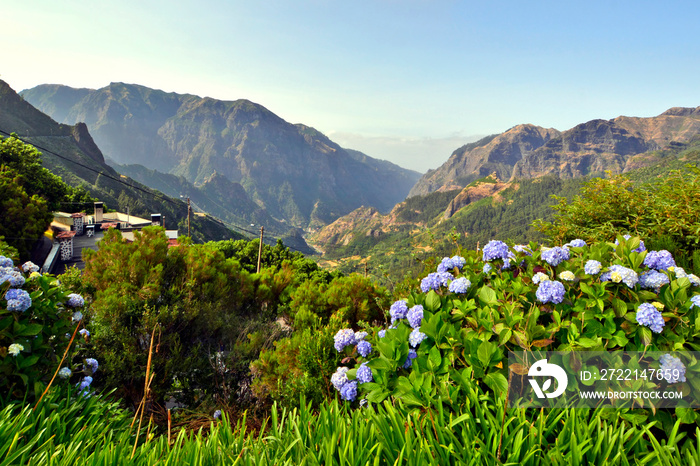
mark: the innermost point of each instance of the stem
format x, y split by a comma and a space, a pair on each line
65, 353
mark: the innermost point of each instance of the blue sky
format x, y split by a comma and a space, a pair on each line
407, 81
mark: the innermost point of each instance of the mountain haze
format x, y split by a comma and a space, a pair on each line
293, 171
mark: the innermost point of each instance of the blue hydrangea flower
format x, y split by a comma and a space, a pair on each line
651, 317
85, 383
640, 248
15, 278
415, 316
487, 268
92, 364
539, 277
659, 260
381, 333
343, 338
217, 414
29, 267
398, 310
496, 250
695, 301
592, 267
348, 391
65, 373
550, 291
6, 262
364, 348
653, 280
339, 377
84, 332
694, 280
361, 335
409, 359
435, 280
668, 365
445, 265
364, 373
18, 300
577, 243
460, 285
680, 272
458, 261
75, 300
77, 316
416, 336
556, 255
628, 276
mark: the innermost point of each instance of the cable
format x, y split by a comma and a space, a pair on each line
162, 196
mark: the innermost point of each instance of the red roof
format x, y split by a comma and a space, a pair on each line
172, 242
108, 225
65, 234
79, 214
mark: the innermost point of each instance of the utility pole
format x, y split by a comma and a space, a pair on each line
189, 210
262, 229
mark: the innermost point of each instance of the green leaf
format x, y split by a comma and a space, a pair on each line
487, 296
620, 307
31, 330
686, 415
432, 301
485, 351
645, 334
496, 382
30, 361
378, 395
434, 357
587, 342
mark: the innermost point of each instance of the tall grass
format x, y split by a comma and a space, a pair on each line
91, 431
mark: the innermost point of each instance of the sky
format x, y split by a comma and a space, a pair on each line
408, 81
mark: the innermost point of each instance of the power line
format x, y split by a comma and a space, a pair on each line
162, 197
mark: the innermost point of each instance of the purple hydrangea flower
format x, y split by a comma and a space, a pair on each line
556, 255
364, 348
659, 260
651, 317
381, 333
18, 300
445, 265
668, 365
364, 373
92, 364
75, 300
409, 359
460, 285
6, 262
343, 338
339, 377
487, 268
576, 243
628, 276
550, 291
435, 280
653, 280
695, 301
14, 277
592, 267
349, 391
398, 310
496, 250
458, 261
85, 383
29, 267
416, 337
415, 316
217, 414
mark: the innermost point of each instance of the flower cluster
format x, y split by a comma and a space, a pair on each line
14, 277
364, 348
695, 301
344, 337
576, 243
653, 280
496, 250
567, 275
556, 255
65, 373
539, 277
435, 280
659, 260
84, 384
15, 348
416, 337
415, 316
6, 262
522, 249
460, 285
398, 310
340, 377
75, 300
449, 263
592, 267
18, 300
550, 291
364, 373
618, 273
649, 316
92, 364
412, 354
672, 369
30, 267
487, 268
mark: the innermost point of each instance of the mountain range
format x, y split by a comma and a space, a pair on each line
295, 173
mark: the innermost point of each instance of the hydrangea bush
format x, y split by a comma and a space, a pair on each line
574, 297
36, 324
